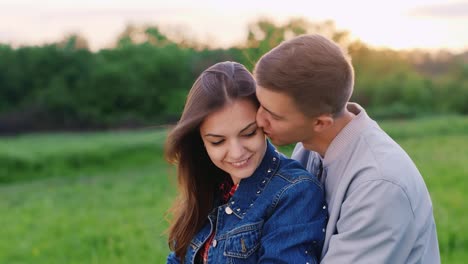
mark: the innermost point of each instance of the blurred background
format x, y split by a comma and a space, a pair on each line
88, 90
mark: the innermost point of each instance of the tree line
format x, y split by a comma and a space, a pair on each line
143, 80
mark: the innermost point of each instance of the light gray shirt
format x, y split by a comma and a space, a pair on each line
379, 208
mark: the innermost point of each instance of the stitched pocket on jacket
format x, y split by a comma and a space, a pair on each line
243, 241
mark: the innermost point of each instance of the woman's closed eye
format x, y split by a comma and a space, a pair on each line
248, 135
217, 143
251, 134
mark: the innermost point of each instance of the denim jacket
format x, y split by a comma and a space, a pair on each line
277, 215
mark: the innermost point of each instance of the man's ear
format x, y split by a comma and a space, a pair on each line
323, 122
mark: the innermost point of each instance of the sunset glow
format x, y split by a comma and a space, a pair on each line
429, 24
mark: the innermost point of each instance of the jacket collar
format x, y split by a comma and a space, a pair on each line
349, 134
251, 188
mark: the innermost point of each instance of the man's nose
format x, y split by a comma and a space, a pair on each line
261, 119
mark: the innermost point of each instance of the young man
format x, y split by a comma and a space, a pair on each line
379, 208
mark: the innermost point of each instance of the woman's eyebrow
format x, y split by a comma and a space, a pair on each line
212, 135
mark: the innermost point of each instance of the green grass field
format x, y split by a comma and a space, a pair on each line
102, 197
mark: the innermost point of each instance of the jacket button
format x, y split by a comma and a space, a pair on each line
228, 210
214, 243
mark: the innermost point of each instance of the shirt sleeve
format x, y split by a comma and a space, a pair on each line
374, 220
294, 232
310, 160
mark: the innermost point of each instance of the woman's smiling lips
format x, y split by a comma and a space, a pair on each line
241, 164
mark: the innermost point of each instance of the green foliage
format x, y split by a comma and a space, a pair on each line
111, 215
145, 78
438, 147
264, 35
111, 208
427, 127
388, 85
33, 157
452, 90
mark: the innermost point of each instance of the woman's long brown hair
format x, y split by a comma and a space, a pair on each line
198, 178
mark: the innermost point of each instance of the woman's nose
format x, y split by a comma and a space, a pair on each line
236, 150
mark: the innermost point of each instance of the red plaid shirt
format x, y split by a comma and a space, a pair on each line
224, 187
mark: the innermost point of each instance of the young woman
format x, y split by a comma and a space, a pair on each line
240, 200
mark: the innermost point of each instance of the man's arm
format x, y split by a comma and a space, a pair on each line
375, 225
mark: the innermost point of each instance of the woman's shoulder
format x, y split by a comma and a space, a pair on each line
292, 185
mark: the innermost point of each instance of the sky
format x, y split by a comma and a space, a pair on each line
396, 24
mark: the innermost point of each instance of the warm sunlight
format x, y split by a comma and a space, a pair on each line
134, 130
396, 24
400, 24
